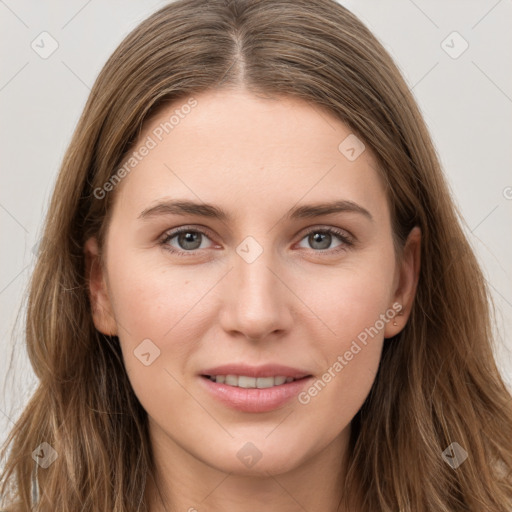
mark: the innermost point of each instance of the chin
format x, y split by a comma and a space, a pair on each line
257, 456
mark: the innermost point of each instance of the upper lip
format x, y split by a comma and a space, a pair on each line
267, 370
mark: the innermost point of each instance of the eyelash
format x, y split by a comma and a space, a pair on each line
346, 240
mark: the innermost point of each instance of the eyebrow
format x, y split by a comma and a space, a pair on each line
186, 207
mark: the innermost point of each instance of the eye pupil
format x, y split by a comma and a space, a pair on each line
190, 240
189, 237
321, 237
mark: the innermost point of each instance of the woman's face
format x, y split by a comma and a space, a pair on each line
262, 287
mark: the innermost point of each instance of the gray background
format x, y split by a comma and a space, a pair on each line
466, 100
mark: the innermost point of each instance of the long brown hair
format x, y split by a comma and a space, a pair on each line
437, 382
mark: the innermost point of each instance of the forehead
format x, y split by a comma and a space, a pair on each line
249, 150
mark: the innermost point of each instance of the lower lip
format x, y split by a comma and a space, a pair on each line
255, 399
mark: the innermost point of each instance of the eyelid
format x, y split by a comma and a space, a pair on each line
332, 229
206, 231
346, 237
187, 227
171, 233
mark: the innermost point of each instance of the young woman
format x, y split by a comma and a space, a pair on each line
253, 290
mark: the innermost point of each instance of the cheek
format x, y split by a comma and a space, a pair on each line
167, 306
155, 314
152, 299
354, 305
350, 359
350, 299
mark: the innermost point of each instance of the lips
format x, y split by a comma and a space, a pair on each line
254, 389
268, 370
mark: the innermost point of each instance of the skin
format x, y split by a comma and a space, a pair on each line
256, 158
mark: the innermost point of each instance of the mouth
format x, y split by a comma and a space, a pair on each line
248, 382
254, 389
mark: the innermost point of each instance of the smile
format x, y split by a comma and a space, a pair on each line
244, 381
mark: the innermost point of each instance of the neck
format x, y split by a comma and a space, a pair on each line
188, 484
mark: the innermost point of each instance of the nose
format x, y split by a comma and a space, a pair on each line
256, 301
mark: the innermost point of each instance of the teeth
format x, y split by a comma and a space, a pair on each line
246, 382
265, 382
231, 380
243, 381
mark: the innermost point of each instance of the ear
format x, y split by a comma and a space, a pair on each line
407, 277
101, 306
